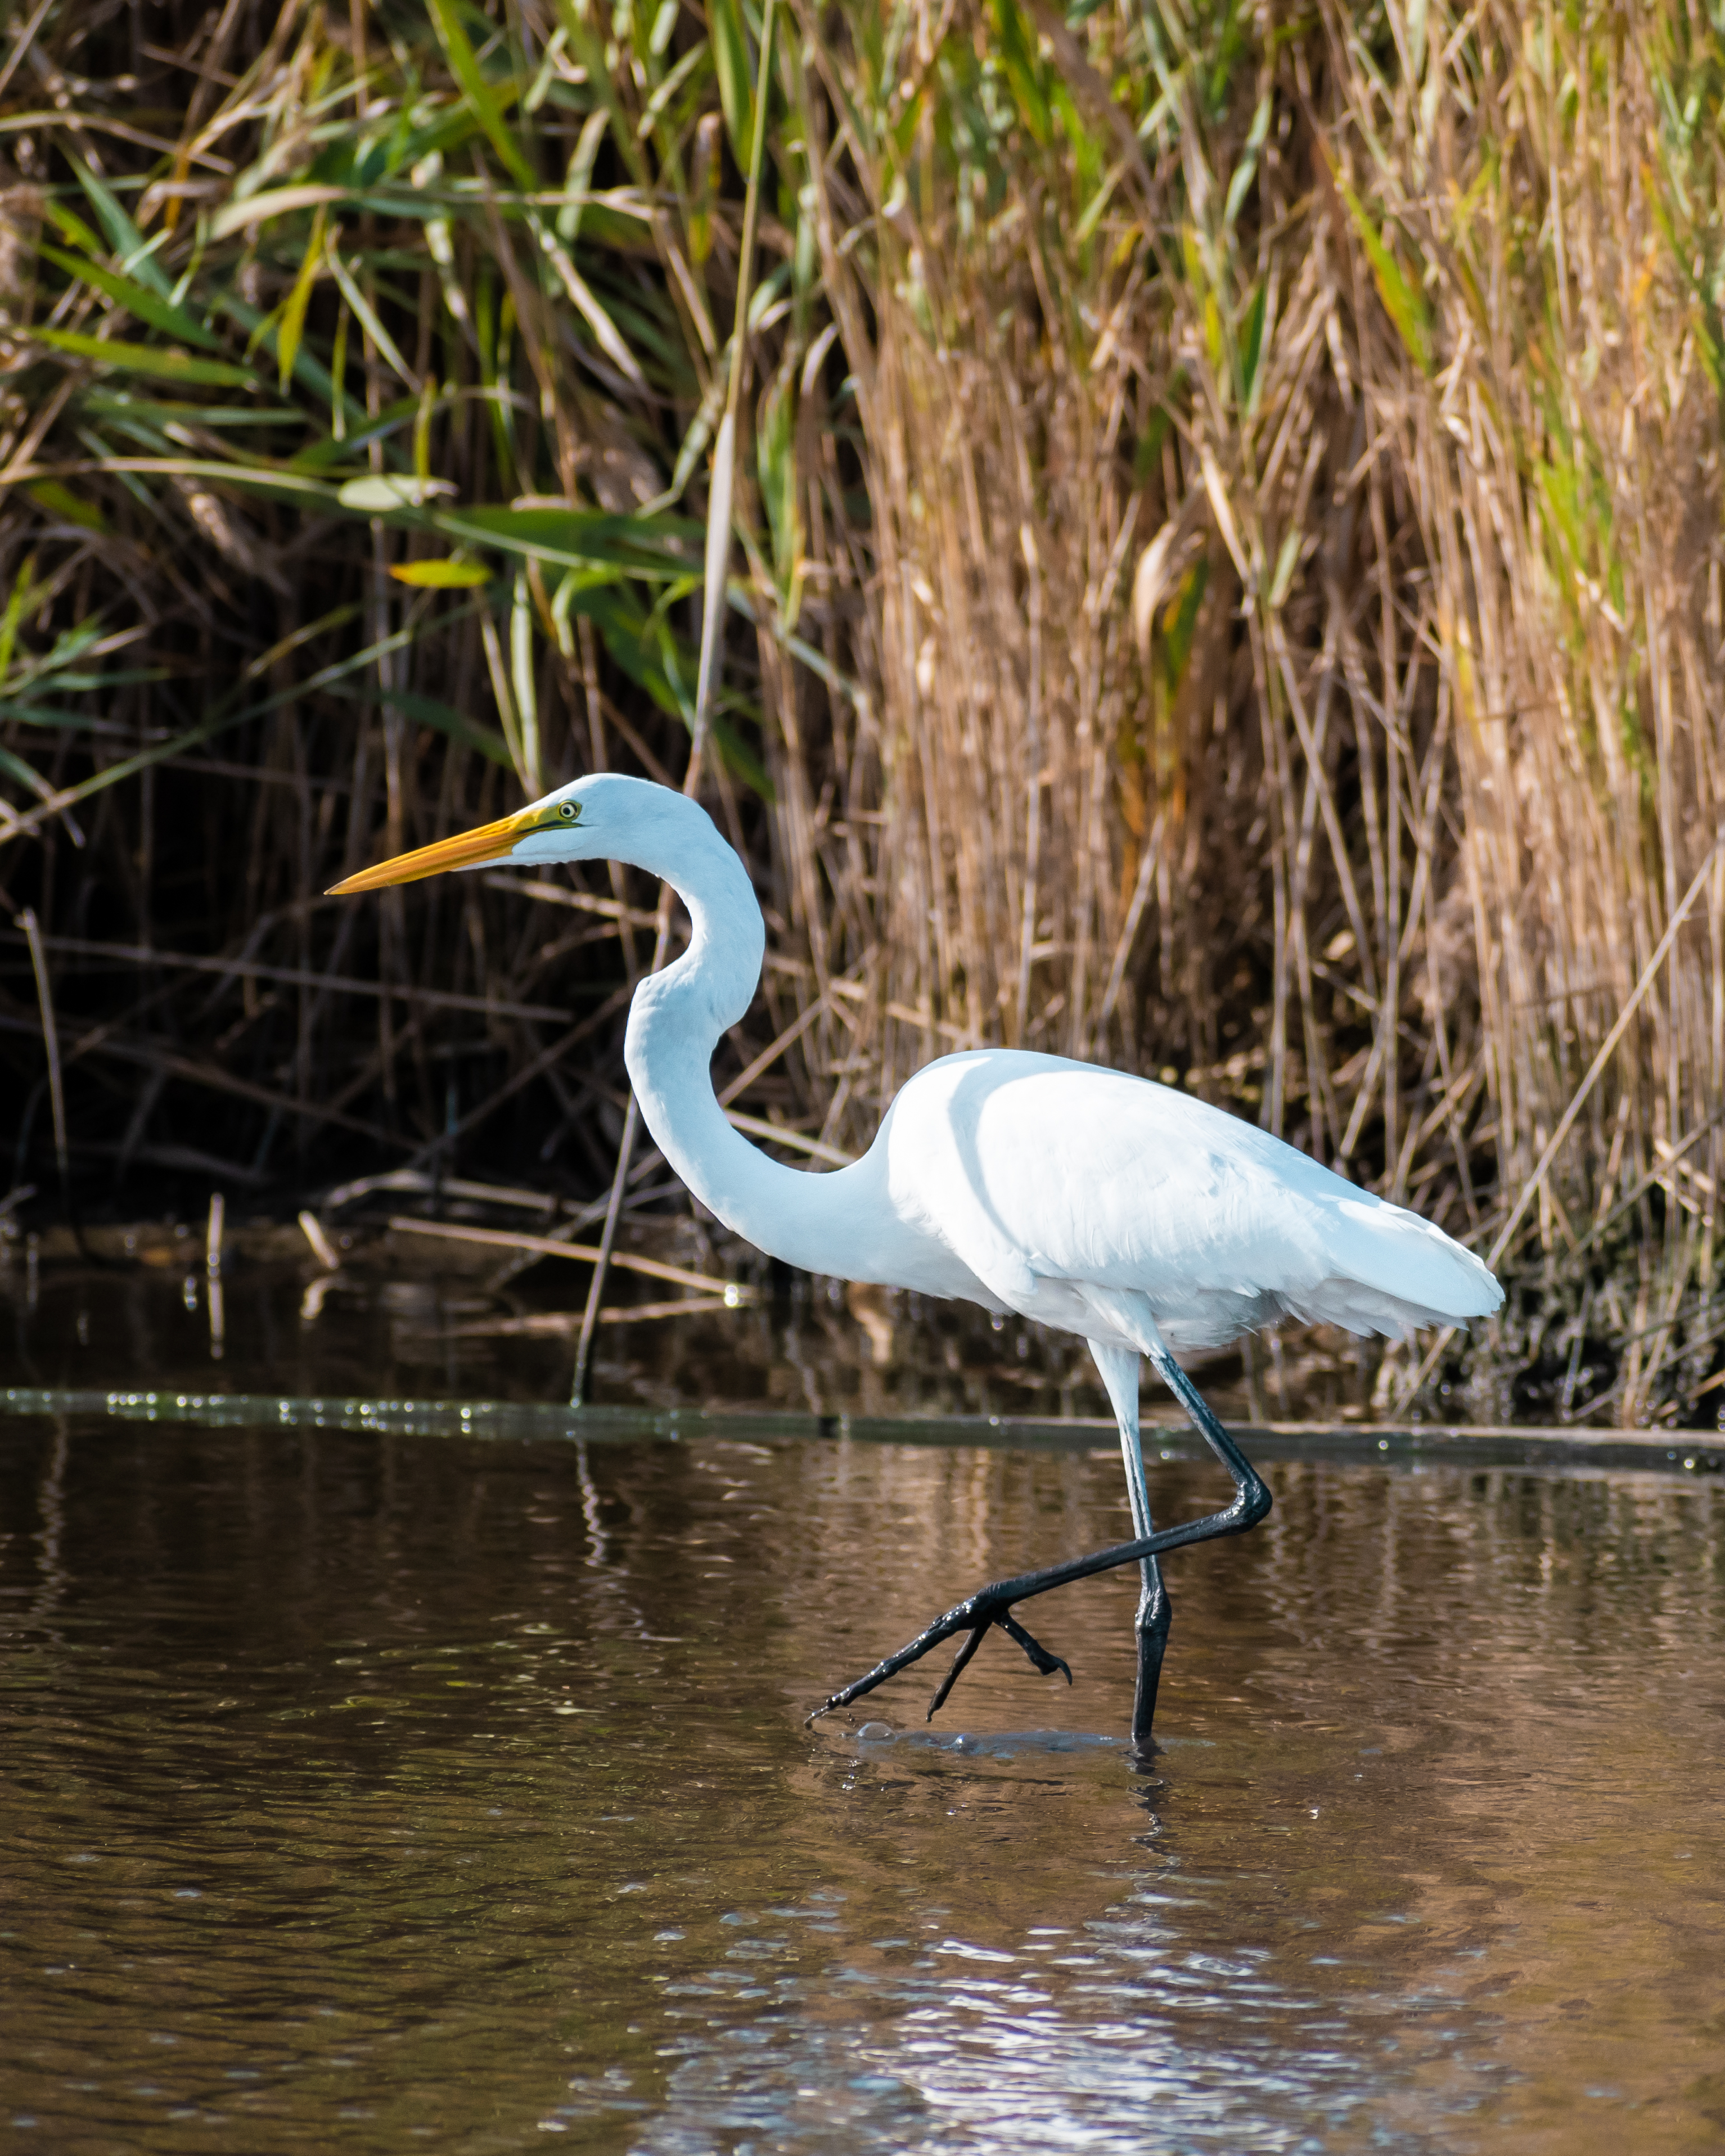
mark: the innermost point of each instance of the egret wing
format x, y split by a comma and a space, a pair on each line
1061, 1172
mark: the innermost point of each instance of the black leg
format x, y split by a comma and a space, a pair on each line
1155, 1615
992, 1604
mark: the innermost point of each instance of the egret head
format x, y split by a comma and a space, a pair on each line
587, 820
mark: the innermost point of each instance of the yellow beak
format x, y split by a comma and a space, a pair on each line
490, 842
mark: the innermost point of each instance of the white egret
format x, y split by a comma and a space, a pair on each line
1105, 1205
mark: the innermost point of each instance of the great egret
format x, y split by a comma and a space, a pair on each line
1105, 1205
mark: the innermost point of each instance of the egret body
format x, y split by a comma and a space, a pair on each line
1103, 1204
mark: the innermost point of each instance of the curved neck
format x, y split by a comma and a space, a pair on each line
676, 1021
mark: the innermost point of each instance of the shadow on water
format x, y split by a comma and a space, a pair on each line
377, 1789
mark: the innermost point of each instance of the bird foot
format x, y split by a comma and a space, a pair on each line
973, 1617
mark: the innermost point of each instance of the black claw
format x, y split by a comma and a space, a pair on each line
960, 1661
1040, 1658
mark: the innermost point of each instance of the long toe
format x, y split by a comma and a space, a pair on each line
960, 1663
1040, 1658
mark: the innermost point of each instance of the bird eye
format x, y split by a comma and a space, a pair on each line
568, 810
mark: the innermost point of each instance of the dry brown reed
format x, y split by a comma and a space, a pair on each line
1402, 416
1230, 506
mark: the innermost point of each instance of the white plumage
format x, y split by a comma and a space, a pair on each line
1121, 1210
1048, 1178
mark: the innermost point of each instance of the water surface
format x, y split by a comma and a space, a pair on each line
373, 1791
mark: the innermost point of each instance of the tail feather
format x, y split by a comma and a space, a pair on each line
1398, 1270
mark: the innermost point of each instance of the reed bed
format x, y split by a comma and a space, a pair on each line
1230, 586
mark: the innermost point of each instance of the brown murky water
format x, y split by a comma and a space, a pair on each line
388, 1787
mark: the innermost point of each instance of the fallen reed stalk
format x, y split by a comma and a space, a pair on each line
322, 1249
545, 1246
561, 1325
